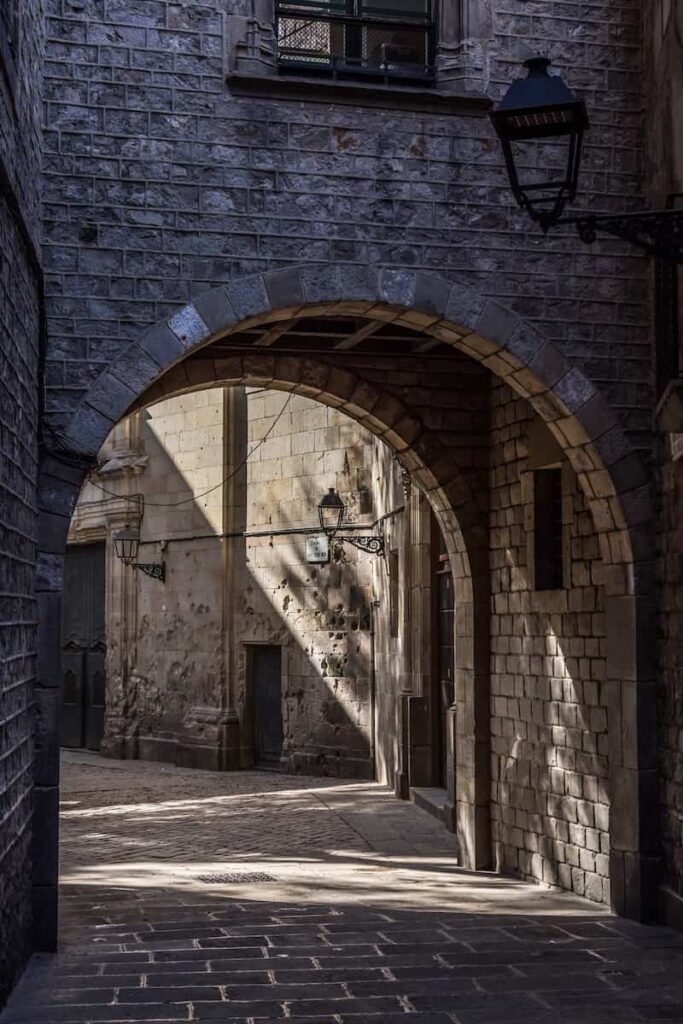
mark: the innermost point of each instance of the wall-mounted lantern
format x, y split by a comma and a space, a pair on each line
331, 510
127, 546
541, 108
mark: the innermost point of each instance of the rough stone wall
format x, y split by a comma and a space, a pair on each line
550, 802
173, 648
161, 182
320, 614
671, 671
665, 167
19, 333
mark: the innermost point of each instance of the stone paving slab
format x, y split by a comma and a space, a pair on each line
347, 931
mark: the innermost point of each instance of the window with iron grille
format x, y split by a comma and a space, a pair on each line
377, 39
548, 531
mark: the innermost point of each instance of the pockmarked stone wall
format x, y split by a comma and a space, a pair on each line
19, 347
550, 795
162, 180
320, 615
204, 474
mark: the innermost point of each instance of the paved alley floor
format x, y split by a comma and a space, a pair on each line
255, 897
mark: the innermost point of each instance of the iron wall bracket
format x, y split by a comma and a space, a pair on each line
657, 232
157, 570
373, 545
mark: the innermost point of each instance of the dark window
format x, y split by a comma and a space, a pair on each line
548, 545
379, 39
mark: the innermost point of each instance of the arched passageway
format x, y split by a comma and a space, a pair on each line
421, 381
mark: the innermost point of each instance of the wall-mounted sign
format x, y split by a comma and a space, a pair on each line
318, 549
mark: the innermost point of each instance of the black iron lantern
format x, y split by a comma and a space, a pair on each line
331, 512
127, 545
541, 108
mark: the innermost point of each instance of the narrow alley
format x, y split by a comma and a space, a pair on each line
253, 896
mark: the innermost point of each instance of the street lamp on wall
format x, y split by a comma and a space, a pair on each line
331, 511
541, 108
537, 108
127, 547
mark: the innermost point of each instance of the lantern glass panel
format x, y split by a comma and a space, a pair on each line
541, 124
127, 545
331, 512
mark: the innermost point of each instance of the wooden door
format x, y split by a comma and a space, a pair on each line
83, 679
445, 660
266, 682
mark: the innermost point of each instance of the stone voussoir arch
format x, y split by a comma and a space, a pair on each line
611, 474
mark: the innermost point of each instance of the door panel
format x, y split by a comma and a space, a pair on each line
266, 668
83, 647
445, 627
71, 720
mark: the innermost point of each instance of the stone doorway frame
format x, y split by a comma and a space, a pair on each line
612, 476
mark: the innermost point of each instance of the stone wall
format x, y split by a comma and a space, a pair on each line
550, 800
19, 344
665, 166
162, 180
321, 615
177, 658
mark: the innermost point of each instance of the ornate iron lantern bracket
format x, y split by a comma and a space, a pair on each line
372, 545
157, 570
657, 232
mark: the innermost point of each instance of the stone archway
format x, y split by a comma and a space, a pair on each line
611, 475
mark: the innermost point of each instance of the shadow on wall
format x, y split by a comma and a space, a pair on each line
322, 617
550, 799
167, 689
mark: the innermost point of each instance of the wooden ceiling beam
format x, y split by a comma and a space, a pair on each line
360, 335
271, 336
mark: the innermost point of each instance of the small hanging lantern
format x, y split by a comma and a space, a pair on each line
127, 545
541, 108
331, 512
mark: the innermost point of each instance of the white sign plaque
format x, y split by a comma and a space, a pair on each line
318, 549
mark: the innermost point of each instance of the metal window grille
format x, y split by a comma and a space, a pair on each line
380, 39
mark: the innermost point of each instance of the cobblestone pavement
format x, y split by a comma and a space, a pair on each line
254, 897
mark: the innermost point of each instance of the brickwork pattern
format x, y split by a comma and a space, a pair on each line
19, 332
161, 183
550, 800
670, 690
18, 612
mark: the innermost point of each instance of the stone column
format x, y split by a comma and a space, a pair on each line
235, 747
58, 487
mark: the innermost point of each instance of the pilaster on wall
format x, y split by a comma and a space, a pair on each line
635, 854
464, 36
251, 47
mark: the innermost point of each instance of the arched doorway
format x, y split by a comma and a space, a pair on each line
240, 335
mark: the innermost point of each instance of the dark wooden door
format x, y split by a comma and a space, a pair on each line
445, 661
266, 675
83, 647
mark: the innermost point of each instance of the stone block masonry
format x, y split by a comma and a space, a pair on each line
18, 610
550, 798
161, 182
20, 707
